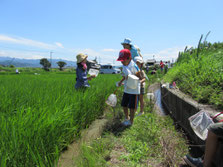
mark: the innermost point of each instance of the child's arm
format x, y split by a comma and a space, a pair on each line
120, 82
143, 77
92, 76
142, 80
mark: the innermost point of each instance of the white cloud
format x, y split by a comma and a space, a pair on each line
29, 42
59, 44
107, 55
104, 55
90, 52
2, 53
102, 58
22, 54
109, 50
166, 54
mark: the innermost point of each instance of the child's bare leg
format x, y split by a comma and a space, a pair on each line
126, 112
132, 114
210, 148
141, 103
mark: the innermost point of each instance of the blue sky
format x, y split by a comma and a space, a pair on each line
34, 28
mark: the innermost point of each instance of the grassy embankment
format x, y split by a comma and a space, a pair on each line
200, 75
41, 114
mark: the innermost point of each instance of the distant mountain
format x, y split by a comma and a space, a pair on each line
32, 62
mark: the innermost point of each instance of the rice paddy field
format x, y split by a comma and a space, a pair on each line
41, 114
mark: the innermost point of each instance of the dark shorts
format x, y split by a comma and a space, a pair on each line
217, 128
142, 91
130, 101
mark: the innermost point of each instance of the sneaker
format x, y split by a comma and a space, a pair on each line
193, 162
126, 122
141, 113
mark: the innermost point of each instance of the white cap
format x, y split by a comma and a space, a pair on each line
138, 59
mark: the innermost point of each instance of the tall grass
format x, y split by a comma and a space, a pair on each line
40, 114
201, 77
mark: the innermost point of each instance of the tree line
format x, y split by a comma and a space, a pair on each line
47, 65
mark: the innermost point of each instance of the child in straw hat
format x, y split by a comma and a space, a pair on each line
81, 72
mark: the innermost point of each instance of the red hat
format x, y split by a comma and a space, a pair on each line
124, 54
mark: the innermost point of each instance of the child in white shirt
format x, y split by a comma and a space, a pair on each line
130, 96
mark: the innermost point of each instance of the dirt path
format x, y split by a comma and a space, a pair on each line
67, 158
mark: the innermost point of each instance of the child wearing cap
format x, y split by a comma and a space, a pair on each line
142, 77
135, 51
81, 72
130, 96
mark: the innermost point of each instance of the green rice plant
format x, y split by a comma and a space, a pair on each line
41, 114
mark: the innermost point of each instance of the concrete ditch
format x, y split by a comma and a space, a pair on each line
181, 106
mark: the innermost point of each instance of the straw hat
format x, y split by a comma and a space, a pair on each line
81, 57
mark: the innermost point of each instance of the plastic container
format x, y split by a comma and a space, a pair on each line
132, 81
93, 72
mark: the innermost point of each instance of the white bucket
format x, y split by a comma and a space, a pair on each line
132, 81
112, 100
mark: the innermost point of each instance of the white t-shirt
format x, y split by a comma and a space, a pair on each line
132, 69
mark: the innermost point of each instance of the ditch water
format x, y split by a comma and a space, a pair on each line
158, 102
195, 150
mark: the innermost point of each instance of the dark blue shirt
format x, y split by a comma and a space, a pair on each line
81, 78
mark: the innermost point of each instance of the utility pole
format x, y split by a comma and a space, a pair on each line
51, 59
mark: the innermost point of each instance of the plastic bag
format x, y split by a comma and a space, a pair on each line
200, 123
112, 100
